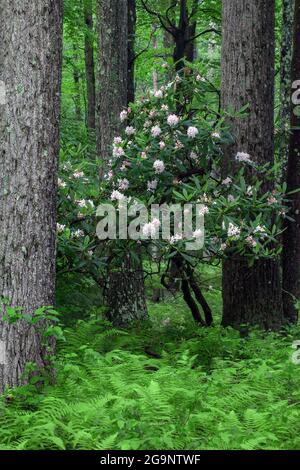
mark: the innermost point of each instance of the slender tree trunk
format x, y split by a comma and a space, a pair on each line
291, 236
250, 295
285, 80
154, 47
125, 288
89, 65
30, 71
131, 52
76, 77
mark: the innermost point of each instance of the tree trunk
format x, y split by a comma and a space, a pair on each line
291, 236
76, 78
30, 71
125, 294
248, 77
89, 65
131, 53
285, 80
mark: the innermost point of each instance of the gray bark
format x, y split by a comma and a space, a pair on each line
125, 294
250, 295
30, 65
112, 71
291, 236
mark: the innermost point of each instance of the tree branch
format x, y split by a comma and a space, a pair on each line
210, 30
154, 13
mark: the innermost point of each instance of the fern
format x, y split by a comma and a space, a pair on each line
214, 390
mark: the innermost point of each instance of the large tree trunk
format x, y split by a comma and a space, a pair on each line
89, 65
30, 70
127, 303
248, 77
291, 237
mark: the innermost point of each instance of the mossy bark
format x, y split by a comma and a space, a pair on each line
30, 71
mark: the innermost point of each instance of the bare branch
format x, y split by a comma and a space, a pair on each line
210, 30
170, 30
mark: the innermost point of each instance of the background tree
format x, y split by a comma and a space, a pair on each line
250, 294
89, 63
125, 285
285, 80
30, 72
291, 236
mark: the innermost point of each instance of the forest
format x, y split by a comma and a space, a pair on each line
149, 225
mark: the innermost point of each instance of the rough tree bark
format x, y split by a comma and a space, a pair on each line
125, 293
30, 70
291, 236
89, 65
250, 295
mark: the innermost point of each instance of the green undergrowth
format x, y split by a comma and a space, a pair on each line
166, 385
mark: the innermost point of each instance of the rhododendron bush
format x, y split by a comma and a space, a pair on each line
170, 153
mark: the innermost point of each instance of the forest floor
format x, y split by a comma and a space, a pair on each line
166, 385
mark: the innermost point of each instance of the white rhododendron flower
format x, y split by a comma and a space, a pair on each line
60, 227
155, 131
193, 155
251, 241
79, 233
123, 115
203, 210
159, 166
199, 78
109, 175
243, 157
81, 203
152, 185
123, 184
118, 152
227, 181
233, 230
260, 230
61, 183
192, 132
130, 130
117, 196
150, 229
216, 135
175, 238
78, 174
173, 120
158, 94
